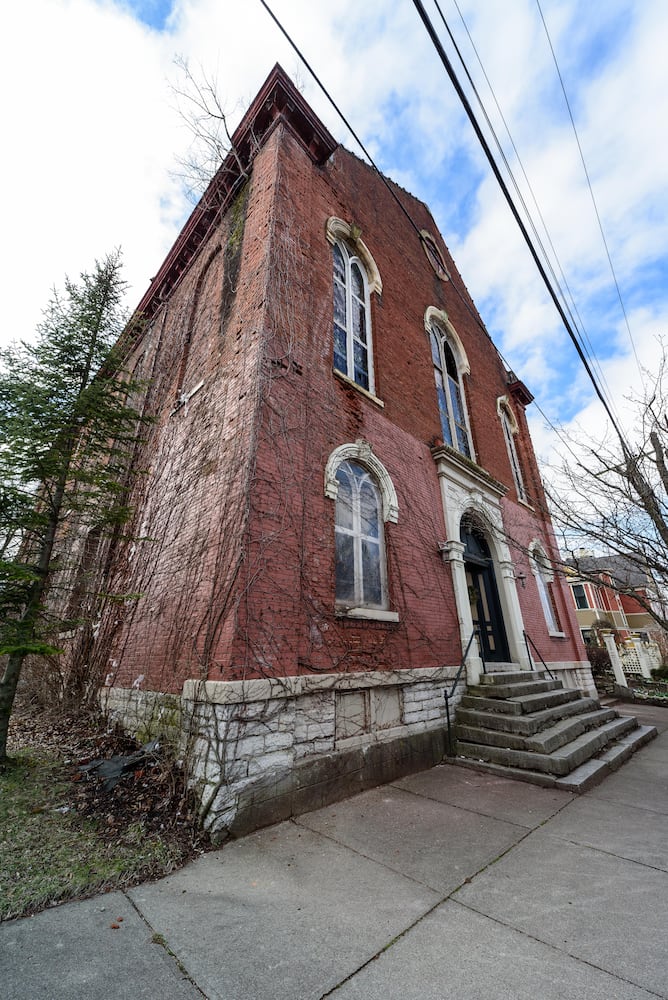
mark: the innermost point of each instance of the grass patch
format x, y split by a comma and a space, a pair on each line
49, 852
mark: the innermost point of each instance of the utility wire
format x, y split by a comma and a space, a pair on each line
506, 163
341, 115
572, 307
367, 154
504, 188
591, 190
465, 302
581, 333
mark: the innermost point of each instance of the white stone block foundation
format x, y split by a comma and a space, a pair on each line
262, 750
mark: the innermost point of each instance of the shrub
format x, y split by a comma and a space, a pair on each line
599, 658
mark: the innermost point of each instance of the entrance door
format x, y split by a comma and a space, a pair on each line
484, 596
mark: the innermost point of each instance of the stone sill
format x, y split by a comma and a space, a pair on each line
371, 614
353, 385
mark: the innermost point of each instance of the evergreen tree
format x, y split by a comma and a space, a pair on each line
66, 432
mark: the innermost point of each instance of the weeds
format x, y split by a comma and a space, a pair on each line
62, 837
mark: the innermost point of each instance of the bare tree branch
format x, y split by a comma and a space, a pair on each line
613, 500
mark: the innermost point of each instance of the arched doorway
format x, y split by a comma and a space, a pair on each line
484, 595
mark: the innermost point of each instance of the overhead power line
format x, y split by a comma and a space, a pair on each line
340, 114
561, 281
431, 31
591, 190
465, 302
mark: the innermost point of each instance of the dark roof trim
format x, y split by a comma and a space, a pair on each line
278, 100
518, 390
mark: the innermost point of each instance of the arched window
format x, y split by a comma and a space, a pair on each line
434, 255
544, 575
451, 403
510, 429
352, 318
361, 579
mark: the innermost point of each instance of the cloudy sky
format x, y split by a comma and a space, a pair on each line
91, 137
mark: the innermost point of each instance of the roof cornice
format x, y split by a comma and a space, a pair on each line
277, 101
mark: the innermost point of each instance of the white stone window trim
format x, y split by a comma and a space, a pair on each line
439, 318
510, 430
352, 531
544, 574
428, 243
346, 239
351, 261
338, 231
362, 452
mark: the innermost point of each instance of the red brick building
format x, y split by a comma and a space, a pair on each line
337, 486
614, 592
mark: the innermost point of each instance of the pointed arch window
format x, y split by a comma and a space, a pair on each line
352, 318
361, 578
510, 429
544, 575
365, 499
450, 392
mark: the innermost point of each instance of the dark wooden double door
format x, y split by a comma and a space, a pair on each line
484, 596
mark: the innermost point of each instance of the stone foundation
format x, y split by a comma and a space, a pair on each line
145, 714
574, 675
261, 751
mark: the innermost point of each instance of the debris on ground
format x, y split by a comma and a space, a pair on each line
112, 769
153, 794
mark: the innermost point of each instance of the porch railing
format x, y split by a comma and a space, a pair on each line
529, 641
448, 694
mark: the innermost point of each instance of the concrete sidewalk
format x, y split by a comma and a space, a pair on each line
448, 883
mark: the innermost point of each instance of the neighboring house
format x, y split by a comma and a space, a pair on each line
338, 485
597, 584
598, 606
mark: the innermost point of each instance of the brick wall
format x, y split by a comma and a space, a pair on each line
234, 566
224, 583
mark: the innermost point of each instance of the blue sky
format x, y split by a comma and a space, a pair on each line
153, 13
90, 117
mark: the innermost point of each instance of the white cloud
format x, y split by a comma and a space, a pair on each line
89, 121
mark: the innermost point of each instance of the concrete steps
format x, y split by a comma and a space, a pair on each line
527, 726
512, 690
520, 705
